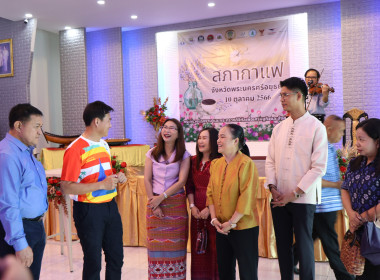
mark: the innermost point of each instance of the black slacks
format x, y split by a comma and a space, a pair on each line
240, 245
99, 227
371, 272
36, 238
324, 229
297, 218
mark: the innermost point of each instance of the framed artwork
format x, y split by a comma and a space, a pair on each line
6, 58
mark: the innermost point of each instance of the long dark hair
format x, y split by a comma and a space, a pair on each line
372, 128
159, 150
238, 132
213, 133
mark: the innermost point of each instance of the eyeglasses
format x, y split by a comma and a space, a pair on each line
285, 95
168, 128
311, 78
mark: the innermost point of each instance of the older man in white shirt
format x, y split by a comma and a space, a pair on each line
295, 164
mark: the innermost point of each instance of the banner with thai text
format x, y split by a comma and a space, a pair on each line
231, 74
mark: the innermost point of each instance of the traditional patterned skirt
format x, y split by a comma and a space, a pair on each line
167, 240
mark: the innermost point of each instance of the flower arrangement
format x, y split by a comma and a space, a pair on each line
121, 166
343, 163
54, 193
118, 166
156, 114
344, 155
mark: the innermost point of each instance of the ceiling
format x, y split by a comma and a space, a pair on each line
54, 15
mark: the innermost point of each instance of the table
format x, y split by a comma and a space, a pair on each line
132, 200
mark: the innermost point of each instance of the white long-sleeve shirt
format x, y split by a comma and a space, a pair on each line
297, 157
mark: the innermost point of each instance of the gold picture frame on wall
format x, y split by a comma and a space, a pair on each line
6, 58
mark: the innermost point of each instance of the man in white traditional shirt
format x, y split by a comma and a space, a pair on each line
295, 164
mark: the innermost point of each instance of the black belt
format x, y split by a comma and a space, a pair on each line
36, 219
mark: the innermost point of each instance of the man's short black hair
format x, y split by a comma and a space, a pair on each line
296, 84
22, 113
96, 109
312, 69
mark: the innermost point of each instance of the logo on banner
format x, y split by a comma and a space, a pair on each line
261, 32
201, 38
191, 40
210, 38
271, 31
230, 34
182, 43
243, 34
252, 33
219, 37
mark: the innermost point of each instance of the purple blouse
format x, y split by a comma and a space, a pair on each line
165, 172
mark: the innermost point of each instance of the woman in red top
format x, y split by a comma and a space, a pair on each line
203, 266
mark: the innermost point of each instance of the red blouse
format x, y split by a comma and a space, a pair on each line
197, 182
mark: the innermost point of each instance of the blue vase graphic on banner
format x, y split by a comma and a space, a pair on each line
193, 96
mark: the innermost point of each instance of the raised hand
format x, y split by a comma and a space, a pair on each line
110, 182
122, 178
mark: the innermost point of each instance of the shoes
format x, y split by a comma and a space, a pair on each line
296, 270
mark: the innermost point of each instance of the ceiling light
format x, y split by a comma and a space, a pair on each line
28, 15
133, 17
211, 4
67, 27
101, 2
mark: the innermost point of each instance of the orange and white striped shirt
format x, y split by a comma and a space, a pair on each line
86, 161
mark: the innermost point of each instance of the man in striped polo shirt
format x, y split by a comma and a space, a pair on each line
87, 176
326, 212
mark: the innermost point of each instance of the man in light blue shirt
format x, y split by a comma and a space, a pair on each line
326, 212
23, 189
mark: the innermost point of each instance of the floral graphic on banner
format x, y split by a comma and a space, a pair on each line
233, 77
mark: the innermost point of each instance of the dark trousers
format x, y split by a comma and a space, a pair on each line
36, 238
323, 228
371, 272
99, 227
240, 245
297, 218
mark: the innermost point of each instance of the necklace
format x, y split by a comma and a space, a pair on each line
203, 165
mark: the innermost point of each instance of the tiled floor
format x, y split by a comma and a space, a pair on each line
56, 266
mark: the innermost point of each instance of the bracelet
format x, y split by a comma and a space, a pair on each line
165, 195
232, 225
191, 205
212, 221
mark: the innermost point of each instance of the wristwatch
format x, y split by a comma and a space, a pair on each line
232, 225
296, 195
191, 205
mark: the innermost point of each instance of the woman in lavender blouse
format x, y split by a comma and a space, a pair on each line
166, 169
